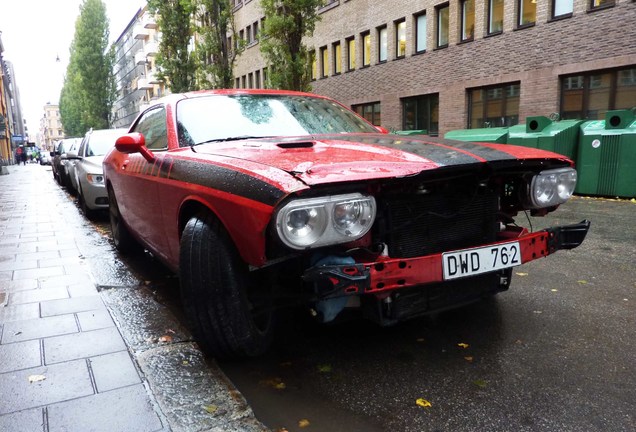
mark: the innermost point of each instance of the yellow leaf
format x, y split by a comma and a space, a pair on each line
303, 423
36, 378
280, 386
480, 383
276, 383
423, 403
582, 282
554, 290
325, 368
521, 274
468, 358
210, 408
463, 345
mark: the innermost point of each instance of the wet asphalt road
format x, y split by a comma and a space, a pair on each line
554, 353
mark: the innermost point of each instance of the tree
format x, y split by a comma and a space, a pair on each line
175, 64
214, 54
88, 91
288, 60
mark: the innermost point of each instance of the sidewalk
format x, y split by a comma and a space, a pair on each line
64, 365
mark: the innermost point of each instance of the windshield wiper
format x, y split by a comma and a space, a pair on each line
235, 138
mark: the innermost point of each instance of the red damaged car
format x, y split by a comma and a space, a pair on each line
265, 199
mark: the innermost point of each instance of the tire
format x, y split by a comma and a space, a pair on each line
215, 286
90, 214
124, 241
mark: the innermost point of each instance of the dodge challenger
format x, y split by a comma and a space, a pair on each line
261, 200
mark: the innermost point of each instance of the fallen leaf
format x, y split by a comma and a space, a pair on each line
36, 378
521, 274
276, 383
463, 345
325, 368
423, 403
303, 423
468, 358
185, 363
210, 408
165, 338
582, 282
480, 383
538, 312
554, 290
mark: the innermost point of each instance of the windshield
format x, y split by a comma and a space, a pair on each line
221, 117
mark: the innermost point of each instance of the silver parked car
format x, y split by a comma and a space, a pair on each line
88, 172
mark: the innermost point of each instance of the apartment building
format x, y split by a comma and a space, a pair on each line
444, 65
136, 82
51, 129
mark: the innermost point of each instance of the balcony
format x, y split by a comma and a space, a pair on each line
143, 84
151, 48
140, 57
149, 21
152, 78
139, 32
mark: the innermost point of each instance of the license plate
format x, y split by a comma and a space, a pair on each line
471, 262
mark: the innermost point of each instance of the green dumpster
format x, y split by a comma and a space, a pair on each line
542, 133
489, 135
606, 161
412, 132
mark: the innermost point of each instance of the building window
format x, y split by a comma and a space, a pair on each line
589, 96
366, 49
257, 79
495, 16
468, 20
562, 8
382, 44
400, 39
494, 106
371, 112
314, 65
442, 26
337, 58
527, 13
250, 80
351, 54
255, 31
420, 33
324, 56
265, 78
248, 34
421, 113
597, 4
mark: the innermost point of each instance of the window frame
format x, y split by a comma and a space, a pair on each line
418, 30
336, 49
400, 24
324, 62
462, 17
360, 110
502, 90
383, 38
366, 48
520, 6
438, 12
604, 4
553, 10
351, 54
489, 19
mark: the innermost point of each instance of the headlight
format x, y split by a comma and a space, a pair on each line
96, 179
315, 222
552, 187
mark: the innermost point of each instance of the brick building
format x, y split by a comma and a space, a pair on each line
443, 65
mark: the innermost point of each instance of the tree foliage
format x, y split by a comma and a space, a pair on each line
175, 63
88, 92
288, 59
194, 52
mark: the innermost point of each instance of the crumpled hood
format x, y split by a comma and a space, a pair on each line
351, 157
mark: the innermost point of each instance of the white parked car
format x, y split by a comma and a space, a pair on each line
88, 171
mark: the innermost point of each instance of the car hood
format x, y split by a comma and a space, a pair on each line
350, 157
92, 164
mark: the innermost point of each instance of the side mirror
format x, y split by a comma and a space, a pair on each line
134, 143
71, 155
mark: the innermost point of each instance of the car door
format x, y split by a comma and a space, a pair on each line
139, 197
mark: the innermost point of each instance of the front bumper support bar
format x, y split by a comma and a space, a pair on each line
387, 274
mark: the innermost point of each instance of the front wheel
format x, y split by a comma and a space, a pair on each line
124, 241
215, 289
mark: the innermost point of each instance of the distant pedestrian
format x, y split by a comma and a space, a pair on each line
20, 155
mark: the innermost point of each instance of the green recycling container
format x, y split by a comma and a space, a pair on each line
542, 133
412, 132
606, 161
489, 135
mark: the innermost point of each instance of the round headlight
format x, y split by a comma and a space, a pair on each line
303, 226
352, 218
552, 187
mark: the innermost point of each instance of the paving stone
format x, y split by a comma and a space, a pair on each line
17, 331
19, 312
20, 355
95, 319
122, 410
38, 295
18, 285
63, 382
6, 275
85, 344
17, 265
37, 256
67, 261
37, 273
55, 246
71, 305
31, 420
83, 290
65, 280
113, 371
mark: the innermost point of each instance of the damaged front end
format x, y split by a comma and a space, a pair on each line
407, 247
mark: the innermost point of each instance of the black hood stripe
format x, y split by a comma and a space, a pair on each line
441, 151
